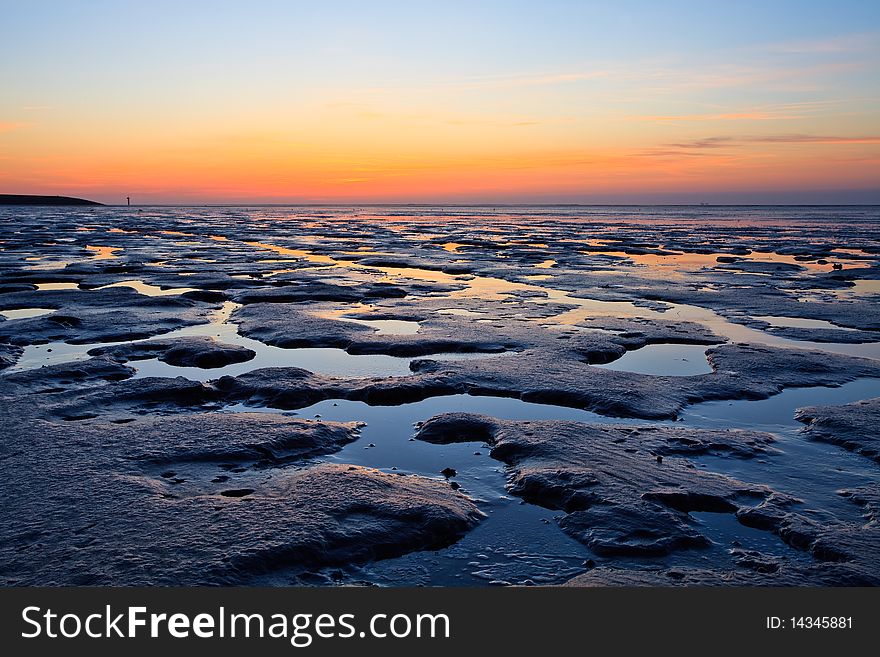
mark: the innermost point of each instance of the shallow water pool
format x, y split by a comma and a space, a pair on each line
663, 360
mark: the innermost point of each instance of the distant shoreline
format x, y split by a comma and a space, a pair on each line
33, 199
36, 200
497, 206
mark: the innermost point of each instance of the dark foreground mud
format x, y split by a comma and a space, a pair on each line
626, 491
854, 426
205, 499
603, 397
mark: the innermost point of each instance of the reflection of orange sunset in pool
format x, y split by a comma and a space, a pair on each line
103, 252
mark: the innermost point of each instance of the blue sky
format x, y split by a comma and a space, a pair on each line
588, 88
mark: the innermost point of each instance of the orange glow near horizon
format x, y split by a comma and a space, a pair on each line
341, 115
377, 160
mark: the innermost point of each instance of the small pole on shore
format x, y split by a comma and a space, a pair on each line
128, 200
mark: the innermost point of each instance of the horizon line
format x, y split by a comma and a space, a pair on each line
484, 205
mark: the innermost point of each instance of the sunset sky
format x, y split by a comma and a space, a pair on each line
457, 102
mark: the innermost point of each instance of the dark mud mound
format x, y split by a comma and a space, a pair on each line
852, 426
195, 351
625, 494
621, 497
207, 499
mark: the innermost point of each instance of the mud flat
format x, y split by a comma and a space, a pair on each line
207, 499
439, 396
852, 426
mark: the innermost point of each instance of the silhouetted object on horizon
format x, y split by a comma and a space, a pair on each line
128, 200
33, 199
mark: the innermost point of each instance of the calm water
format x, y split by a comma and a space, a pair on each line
517, 542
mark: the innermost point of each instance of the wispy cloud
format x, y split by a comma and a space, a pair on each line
490, 82
509, 81
775, 75
493, 122
703, 144
771, 112
672, 152
364, 110
718, 142
9, 126
815, 139
724, 116
842, 43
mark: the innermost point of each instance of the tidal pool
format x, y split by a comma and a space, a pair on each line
25, 313
663, 360
520, 542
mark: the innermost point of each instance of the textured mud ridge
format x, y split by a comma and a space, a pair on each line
204, 352
740, 371
846, 556
185, 392
626, 492
852, 427
111, 315
206, 499
623, 492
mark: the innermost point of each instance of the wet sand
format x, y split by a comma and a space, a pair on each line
439, 396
